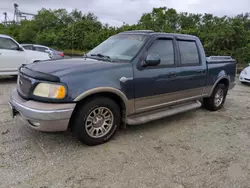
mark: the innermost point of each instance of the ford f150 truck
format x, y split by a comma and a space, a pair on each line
131, 78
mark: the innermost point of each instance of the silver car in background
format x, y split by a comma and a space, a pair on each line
54, 54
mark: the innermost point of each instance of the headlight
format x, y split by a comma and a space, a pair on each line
54, 91
244, 71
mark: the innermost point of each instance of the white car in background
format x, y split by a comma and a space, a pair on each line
13, 55
245, 75
54, 54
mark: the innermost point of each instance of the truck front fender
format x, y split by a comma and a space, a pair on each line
129, 104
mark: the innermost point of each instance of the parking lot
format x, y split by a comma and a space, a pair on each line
194, 149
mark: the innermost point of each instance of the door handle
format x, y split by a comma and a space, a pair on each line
171, 74
200, 71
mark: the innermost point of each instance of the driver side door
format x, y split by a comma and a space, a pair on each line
156, 86
11, 58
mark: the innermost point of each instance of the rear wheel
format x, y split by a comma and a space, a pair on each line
97, 121
217, 99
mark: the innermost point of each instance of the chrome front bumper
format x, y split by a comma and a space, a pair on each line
47, 117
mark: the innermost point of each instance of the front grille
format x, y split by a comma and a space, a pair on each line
24, 85
247, 79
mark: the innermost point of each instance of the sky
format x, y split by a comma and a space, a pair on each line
115, 12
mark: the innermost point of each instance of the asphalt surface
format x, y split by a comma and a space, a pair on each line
194, 149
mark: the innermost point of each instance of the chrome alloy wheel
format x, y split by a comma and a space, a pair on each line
219, 97
99, 122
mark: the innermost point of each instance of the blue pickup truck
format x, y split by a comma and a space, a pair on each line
131, 78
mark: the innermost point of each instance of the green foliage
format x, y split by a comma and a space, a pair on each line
75, 32
74, 52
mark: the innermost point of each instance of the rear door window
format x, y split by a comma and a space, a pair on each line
40, 49
189, 53
28, 47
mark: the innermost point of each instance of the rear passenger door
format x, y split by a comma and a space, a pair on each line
155, 86
192, 76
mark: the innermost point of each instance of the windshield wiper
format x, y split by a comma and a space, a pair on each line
102, 56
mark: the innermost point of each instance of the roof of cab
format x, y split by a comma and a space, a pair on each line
4, 36
151, 32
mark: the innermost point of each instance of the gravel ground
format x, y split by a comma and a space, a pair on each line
194, 149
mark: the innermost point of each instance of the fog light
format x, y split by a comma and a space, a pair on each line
35, 124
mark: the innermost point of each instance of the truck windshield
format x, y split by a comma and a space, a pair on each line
120, 47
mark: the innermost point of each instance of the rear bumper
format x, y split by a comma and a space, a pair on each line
47, 117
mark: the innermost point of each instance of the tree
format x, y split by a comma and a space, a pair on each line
75, 30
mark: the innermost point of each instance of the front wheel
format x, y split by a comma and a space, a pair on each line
217, 99
97, 121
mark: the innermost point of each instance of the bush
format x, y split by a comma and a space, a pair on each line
73, 52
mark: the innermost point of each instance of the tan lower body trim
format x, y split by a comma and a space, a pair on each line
158, 101
130, 107
206, 91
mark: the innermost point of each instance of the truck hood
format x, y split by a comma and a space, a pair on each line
64, 67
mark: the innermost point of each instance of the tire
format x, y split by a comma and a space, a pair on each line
214, 103
87, 120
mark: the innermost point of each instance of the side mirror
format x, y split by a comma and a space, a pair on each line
19, 48
47, 51
152, 60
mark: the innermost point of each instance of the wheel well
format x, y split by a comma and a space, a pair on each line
112, 96
225, 82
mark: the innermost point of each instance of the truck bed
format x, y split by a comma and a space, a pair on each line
218, 66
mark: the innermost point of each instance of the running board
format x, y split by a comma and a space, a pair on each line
161, 113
